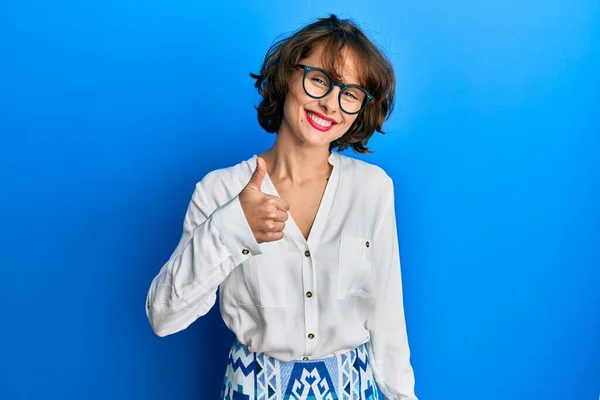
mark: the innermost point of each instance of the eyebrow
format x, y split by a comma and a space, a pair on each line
320, 66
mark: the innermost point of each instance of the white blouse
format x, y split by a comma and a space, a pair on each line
295, 299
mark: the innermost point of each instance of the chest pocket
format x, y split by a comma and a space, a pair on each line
355, 268
264, 276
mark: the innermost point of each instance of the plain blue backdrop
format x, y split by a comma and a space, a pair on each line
111, 111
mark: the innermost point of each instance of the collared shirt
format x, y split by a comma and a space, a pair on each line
295, 299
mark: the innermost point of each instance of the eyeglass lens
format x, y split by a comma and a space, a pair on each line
317, 84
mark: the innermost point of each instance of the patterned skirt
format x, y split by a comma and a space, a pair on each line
256, 376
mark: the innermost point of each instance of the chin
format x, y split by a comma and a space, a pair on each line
316, 138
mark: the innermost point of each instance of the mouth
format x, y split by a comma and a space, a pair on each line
319, 121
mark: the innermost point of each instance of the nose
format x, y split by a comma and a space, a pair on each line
330, 102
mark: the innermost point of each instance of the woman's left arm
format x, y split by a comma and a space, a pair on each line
388, 348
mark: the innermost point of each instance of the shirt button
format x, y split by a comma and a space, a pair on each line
311, 336
245, 252
308, 294
307, 253
305, 358
367, 244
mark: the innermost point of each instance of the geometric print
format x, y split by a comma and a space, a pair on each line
257, 376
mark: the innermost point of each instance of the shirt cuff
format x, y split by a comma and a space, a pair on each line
235, 232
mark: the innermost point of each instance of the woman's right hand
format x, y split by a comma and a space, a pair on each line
265, 214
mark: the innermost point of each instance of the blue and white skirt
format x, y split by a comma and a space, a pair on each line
256, 376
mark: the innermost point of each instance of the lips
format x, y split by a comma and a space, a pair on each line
319, 121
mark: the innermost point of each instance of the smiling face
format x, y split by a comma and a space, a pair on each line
317, 122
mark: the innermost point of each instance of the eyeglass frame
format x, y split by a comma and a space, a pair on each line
333, 84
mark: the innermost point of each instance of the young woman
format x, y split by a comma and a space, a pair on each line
301, 241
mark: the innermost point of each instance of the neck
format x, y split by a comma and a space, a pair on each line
286, 161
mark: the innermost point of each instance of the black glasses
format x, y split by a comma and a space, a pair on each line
317, 83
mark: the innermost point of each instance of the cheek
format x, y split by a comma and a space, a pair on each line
294, 93
348, 121
293, 104
289, 108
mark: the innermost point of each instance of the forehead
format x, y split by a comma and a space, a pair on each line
343, 64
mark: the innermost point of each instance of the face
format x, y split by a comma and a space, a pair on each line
317, 122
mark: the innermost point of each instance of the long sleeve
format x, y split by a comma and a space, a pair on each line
211, 246
388, 347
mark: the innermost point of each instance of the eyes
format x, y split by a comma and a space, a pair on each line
323, 82
317, 83
350, 93
320, 80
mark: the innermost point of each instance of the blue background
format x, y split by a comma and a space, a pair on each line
110, 111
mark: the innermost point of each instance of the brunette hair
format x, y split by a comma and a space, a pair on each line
374, 69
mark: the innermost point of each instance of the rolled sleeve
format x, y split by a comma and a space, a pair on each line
235, 231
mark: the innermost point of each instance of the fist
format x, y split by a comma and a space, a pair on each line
265, 214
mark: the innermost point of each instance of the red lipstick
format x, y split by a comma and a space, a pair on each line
317, 126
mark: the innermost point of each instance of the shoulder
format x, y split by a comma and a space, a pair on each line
226, 174
367, 177
223, 183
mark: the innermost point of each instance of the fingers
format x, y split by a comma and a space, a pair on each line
279, 216
266, 214
274, 222
274, 226
272, 236
279, 203
258, 175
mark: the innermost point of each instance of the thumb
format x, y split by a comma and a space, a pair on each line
259, 174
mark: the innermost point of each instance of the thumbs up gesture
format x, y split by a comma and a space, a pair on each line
265, 214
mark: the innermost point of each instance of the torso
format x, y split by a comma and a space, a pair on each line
304, 203
304, 200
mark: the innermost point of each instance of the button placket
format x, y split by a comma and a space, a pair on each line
310, 309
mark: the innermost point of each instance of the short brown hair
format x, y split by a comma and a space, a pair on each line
375, 71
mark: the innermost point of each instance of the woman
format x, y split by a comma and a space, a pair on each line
301, 241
